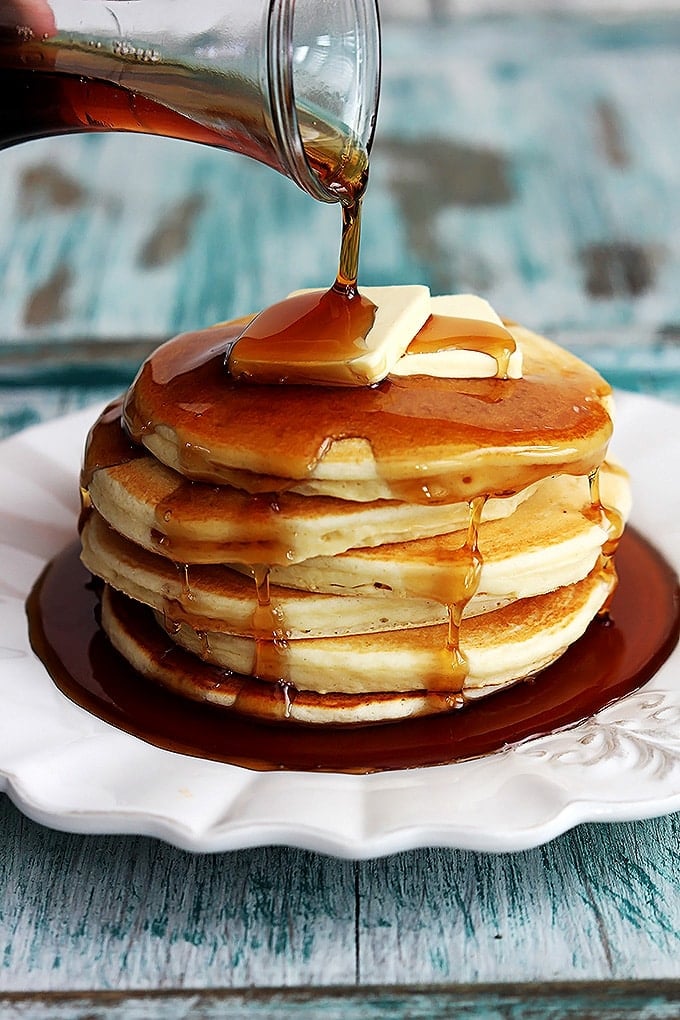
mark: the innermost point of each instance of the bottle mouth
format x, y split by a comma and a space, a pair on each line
323, 85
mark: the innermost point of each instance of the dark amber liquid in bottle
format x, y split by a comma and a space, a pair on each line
116, 91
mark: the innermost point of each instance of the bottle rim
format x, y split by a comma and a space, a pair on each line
282, 100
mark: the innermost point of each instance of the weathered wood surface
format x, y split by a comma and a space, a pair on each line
601, 903
544, 156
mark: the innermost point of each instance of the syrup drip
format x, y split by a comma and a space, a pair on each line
107, 446
609, 518
171, 624
187, 594
206, 650
270, 659
161, 542
267, 625
176, 611
470, 584
446, 332
256, 526
289, 691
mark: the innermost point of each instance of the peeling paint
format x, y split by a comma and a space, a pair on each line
44, 185
618, 268
172, 235
48, 302
610, 133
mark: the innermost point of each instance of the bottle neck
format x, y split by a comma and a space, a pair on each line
323, 124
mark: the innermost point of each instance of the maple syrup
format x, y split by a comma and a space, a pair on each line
295, 340
615, 656
54, 84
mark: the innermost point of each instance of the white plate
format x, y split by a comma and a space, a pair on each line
69, 770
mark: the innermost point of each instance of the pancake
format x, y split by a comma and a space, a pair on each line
553, 538
501, 647
132, 631
218, 597
161, 511
460, 439
550, 541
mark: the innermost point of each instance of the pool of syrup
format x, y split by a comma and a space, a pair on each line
615, 656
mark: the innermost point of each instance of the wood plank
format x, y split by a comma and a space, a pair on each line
123, 913
76, 362
601, 902
653, 1001
45, 379
22, 406
119, 913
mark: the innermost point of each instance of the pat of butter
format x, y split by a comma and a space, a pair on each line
318, 337
401, 311
459, 348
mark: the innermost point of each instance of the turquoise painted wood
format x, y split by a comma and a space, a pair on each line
535, 160
601, 903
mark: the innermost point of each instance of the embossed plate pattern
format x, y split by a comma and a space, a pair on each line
69, 770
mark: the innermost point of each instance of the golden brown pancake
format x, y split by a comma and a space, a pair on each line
194, 522
418, 436
406, 666
550, 541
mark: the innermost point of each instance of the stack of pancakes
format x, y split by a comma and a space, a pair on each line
344, 556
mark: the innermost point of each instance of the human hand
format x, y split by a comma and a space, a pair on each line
35, 15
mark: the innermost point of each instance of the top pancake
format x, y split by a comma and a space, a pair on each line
424, 438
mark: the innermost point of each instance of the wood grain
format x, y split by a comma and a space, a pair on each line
78, 912
601, 902
117, 913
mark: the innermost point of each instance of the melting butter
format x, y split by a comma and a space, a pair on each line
330, 338
464, 338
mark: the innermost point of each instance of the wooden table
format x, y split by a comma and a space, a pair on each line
534, 160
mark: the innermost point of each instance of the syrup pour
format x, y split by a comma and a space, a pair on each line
612, 659
311, 338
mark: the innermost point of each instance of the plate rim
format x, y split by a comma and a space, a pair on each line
373, 826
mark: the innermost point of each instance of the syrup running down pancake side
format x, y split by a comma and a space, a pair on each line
616, 656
